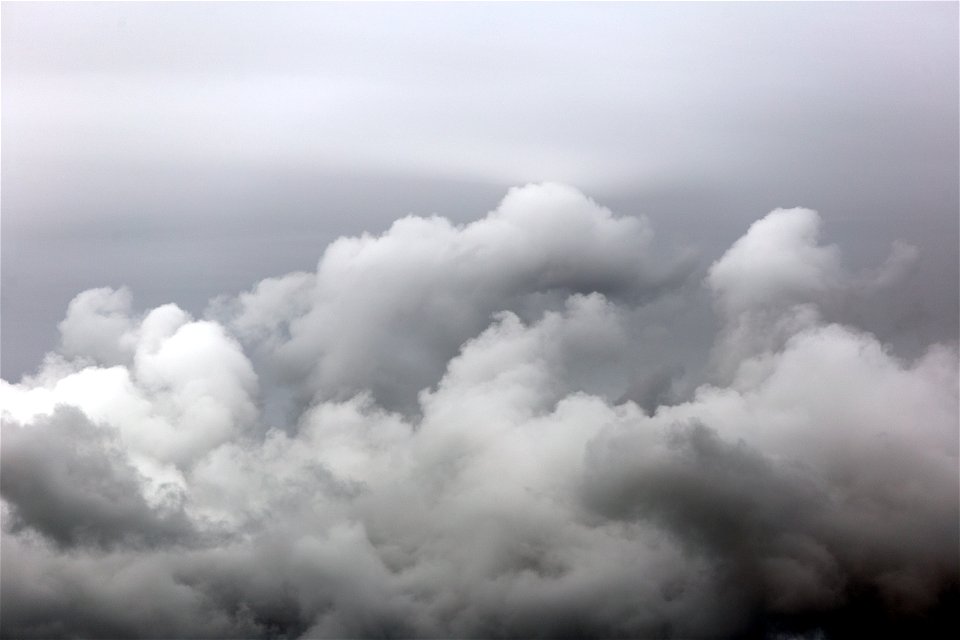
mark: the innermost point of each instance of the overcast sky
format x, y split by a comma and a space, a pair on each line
479, 319
188, 149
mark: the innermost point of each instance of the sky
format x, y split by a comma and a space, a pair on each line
479, 319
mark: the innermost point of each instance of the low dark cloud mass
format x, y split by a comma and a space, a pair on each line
492, 429
71, 482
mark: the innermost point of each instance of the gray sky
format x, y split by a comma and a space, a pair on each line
188, 149
676, 356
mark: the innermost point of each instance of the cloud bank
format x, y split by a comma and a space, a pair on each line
438, 433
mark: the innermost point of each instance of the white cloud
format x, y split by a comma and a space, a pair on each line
455, 464
386, 313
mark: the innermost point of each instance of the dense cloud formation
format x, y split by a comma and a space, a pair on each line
470, 431
385, 314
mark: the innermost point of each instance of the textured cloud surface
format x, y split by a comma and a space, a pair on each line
436, 435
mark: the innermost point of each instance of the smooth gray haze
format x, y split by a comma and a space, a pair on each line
480, 320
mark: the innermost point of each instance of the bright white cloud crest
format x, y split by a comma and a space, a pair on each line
428, 437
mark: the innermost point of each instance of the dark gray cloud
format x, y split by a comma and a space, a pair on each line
71, 482
787, 543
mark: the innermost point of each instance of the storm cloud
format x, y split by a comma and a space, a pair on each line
475, 430
460, 320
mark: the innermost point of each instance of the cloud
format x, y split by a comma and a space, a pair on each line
185, 386
384, 314
72, 482
98, 326
777, 260
778, 279
432, 436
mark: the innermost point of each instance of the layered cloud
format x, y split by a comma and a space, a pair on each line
433, 435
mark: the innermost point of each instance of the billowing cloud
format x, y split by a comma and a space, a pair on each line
432, 435
72, 482
778, 279
385, 314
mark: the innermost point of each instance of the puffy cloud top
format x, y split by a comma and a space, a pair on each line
385, 313
778, 259
428, 437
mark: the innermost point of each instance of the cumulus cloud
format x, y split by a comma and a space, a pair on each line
778, 279
185, 388
385, 313
777, 260
73, 483
98, 326
432, 435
